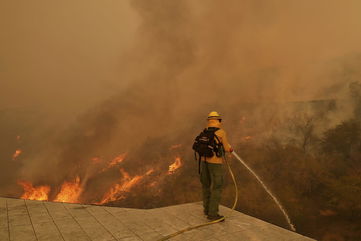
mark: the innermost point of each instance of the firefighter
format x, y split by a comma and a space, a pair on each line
212, 169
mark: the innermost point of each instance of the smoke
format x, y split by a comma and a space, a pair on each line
138, 76
62, 58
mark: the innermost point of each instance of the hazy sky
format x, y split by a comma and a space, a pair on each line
62, 54
69, 55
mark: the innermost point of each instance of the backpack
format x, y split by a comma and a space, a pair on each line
205, 144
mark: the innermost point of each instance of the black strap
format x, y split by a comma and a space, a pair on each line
219, 142
217, 138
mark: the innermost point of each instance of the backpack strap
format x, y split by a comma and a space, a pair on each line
217, 138
220, 144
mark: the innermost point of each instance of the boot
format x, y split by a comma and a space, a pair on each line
216, 217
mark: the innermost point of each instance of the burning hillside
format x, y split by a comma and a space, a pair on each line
72, 191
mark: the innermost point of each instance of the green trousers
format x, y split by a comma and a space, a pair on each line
211, 176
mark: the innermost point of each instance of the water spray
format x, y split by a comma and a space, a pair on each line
268, 191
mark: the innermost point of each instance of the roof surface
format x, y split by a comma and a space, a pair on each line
40, 220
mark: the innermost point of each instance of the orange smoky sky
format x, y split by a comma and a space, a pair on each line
62, 56
68, 55
115, 70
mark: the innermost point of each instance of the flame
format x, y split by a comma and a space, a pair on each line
118, 191
117, 160
34, 193
149, 172
173, 167
17, 153
114, 162
70, 192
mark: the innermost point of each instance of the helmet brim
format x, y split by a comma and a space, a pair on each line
214, 118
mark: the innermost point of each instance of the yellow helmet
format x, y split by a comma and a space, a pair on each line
214, 115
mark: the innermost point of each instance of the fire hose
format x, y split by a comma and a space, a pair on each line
235, 201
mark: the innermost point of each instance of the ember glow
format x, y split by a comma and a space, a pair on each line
17, 154
34, 193
173, 167
70, 192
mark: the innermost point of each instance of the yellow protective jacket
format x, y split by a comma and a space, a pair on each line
221, 134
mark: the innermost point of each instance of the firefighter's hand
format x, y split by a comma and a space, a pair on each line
230, 150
